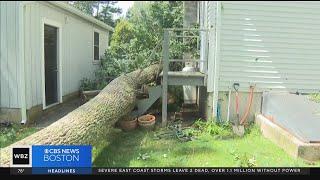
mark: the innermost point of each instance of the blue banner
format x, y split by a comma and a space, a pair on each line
61, 156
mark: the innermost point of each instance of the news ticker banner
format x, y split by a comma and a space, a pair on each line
53, 159
170, 171
73, 159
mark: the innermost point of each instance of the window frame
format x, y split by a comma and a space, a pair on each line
93, 46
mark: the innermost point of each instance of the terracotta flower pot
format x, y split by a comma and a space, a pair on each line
128, 125
147, 121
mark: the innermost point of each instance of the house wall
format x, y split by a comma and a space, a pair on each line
77, 49
9, 64
274, 46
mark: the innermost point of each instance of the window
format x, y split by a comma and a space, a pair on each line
96, 55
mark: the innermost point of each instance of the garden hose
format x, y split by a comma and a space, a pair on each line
244, 118
175, 131
249, 104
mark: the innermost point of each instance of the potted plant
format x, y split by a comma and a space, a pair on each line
128, 123
147, 121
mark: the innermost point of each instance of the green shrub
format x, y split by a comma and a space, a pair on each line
87, 84
315, 97
213, 128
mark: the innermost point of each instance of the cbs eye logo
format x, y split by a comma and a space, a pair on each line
21, 157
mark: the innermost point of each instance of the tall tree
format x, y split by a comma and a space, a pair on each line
143, 27
107, 12
85, 6
102, 10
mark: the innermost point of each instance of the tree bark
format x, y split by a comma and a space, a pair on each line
92, 121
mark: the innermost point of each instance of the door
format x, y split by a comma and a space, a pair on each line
51, 64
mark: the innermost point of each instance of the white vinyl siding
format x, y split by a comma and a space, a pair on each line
9, 64
76, 46
274, 45
77, 49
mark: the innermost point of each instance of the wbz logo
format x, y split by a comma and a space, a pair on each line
21, 157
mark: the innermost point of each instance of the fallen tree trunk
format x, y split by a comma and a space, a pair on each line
92, 121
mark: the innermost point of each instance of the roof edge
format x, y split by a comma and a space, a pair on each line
81, 14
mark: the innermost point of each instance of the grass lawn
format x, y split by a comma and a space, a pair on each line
125, 150
140, 149
315, 97
13, 133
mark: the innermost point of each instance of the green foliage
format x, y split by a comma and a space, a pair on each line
175, 92
212, 128
150, 20
87, 85
13, 133
101, 10
315, 97
128, 149
243, 160
136, 40
103, 76
87, 7
143, 156
108, 9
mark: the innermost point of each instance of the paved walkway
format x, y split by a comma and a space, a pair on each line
50, 117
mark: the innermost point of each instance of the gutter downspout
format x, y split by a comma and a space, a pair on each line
22, 63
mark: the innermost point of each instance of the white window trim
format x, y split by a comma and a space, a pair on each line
59, 61
93, 60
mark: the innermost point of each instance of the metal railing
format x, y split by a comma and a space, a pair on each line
171, 33
166, 60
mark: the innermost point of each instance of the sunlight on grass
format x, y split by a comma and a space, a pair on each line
139, 149
13, 133
315, 97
